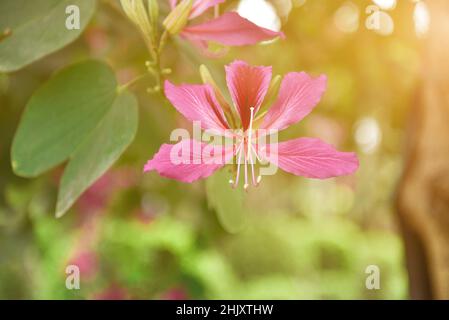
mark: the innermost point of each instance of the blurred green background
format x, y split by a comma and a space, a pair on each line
145, 237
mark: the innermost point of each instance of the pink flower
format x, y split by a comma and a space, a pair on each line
96, 198
248, 85
229, 29
177, 293
87, 262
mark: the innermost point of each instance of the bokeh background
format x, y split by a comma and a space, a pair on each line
145, 237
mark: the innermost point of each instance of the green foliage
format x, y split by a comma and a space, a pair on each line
36, 29
306, 259
274, 258
78, 115
60, 115
99, 151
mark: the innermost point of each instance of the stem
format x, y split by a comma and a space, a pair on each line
157, 64
155, 49
163, 41
157, 69
130, 83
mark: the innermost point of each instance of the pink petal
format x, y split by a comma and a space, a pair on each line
312, 158
230, 29
248, 86
298, 95
197, 103
200, 6
189, 160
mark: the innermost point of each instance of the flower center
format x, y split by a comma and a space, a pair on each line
247, 150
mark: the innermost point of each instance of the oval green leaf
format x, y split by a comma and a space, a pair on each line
34, 29
60, 115
227, 202
99, 151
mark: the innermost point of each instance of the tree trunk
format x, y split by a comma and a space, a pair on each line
423, 194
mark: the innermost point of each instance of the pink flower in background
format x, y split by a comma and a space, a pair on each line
248, 85
228, 29
177, 293
87, 262
114, 292
96, 198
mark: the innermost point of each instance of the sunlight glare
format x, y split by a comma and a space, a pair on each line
385, 4
421, 17
346, 18
261, 13
368, 135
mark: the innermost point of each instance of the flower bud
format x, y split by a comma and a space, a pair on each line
272, 92
136, 12
273, 89
207, 79
153, 11
270, 98
178, 18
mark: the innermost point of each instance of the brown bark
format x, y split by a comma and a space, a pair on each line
423, 195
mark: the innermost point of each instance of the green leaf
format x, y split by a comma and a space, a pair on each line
4, 83
60, 115
34, 29
99, 151
226, 201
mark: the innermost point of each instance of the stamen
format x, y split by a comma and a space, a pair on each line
257, 156
246, 185
259, 177
239, 152
248, 154
250, 148
250, 128
250, 145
